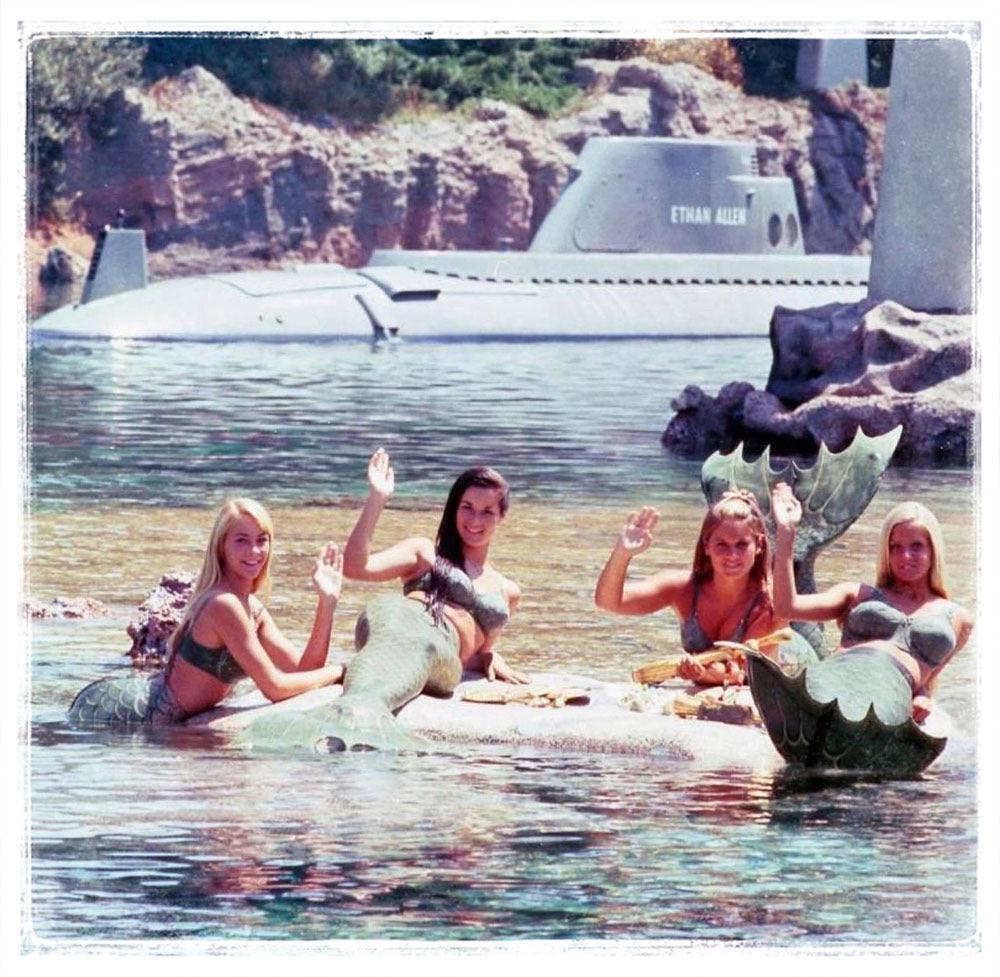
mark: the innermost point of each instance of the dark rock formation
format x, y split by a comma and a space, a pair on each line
838, 368
66, 608
220, 182
60, 268
704, 423
157, 618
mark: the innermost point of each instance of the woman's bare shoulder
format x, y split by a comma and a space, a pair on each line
222, 605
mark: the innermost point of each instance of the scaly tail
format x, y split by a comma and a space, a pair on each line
402, 653
833, 493
848, 712
121, 700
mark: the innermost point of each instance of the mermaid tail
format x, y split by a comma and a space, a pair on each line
795, 654
402, 653
334, 728
852, 711
126, 700
833, 493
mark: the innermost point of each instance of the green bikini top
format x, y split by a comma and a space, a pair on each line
930, 637
489, 610
217, 662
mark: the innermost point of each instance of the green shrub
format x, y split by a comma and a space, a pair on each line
362, 80
69, 78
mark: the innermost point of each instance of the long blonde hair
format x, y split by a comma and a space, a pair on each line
740, 505
212, 566
921, 516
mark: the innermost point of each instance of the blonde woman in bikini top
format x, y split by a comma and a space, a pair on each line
907, 613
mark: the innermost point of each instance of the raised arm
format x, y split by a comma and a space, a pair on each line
621, 596
328, 579
224, 614
403, 560
789, 604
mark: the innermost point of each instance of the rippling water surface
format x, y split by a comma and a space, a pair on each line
176, 835
176, 422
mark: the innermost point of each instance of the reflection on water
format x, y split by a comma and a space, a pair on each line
171, 834
491, 844
177, 834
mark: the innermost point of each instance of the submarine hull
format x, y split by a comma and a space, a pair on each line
386, 301
652, 236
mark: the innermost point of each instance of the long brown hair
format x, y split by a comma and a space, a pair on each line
448, 544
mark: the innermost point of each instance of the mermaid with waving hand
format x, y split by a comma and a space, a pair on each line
448, 584
904, 627
726, 596
226, 634
449, 616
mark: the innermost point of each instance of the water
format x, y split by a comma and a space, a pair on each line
172, 424
484, 843
140, 837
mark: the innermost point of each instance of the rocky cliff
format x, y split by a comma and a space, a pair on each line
220, 182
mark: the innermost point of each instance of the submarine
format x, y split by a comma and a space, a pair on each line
652, 236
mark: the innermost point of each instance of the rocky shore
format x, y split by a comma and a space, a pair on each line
223, 183
838, 368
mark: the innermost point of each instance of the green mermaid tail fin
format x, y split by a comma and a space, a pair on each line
795, 654
401, 653
123, 700
833, 493
848, 712
337, 727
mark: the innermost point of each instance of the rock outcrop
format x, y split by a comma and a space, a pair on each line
157, 618
220, 182
838, 368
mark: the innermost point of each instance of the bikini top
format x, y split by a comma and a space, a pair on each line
217, 662
489, 610
693, 637
930, 637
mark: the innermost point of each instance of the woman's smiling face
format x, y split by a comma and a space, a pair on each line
478, 515
245, 549
911, 552
731, 548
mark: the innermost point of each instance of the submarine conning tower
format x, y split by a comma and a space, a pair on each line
656, 195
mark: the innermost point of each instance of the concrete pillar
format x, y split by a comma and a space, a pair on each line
826, 64
922, 252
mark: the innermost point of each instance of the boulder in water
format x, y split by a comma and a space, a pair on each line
157, 618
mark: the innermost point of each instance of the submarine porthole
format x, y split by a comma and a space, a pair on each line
791, 229
774, 230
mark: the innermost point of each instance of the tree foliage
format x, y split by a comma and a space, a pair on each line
69, 77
